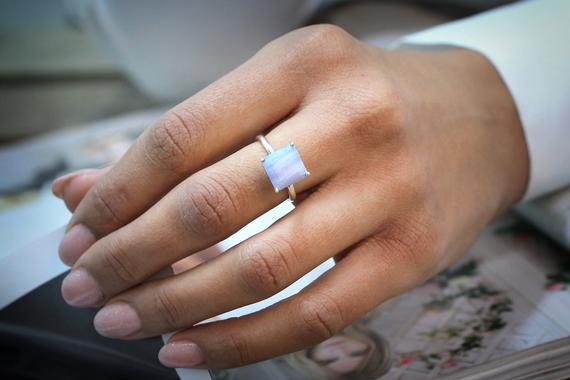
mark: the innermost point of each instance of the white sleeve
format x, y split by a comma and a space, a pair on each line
529, 44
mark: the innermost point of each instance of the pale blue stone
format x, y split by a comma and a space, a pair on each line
284, 167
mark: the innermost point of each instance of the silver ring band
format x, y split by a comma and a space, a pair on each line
266, 145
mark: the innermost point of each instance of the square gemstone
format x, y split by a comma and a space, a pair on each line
284, 167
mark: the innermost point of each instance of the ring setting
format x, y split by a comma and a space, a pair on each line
284, 166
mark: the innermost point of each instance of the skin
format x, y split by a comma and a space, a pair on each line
411, 153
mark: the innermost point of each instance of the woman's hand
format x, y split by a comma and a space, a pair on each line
411, 154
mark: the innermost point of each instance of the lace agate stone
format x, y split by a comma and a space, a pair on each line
284, 167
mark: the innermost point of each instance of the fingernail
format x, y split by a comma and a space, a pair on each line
181, 354
80, 289
59, 184
117, 320
76, 241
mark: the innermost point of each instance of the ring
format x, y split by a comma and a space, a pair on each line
284, 166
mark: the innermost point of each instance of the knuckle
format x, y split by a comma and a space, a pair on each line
391, 115
173, 138
265, 266
324, 34
409, 179
373, 115
210, 206
240, 348
168, 308
415, 241
321, 45
321, 317
106, 207
119, 261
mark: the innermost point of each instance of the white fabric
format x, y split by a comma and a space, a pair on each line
529, 44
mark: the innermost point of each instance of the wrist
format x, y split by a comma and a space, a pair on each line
463, 104
506, 137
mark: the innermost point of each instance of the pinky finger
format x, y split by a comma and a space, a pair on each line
71, 188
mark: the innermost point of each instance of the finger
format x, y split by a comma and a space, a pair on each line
199, 131
326, 223
73, 186
204, 209
372, 273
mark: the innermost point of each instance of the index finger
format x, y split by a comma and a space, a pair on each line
199, 131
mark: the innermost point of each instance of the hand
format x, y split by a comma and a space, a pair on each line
411, 154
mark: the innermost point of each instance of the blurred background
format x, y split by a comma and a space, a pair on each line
53, 74
67, 62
